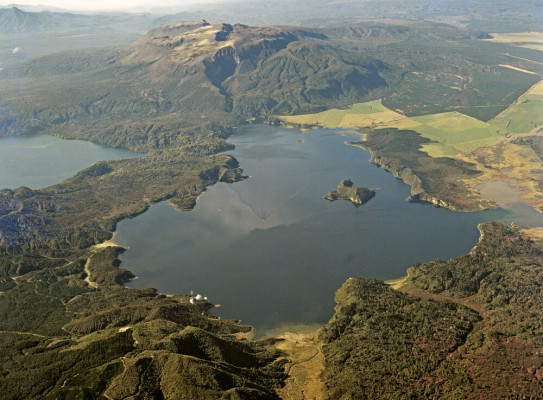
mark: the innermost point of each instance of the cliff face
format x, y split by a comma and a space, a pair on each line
406, 174
426, 198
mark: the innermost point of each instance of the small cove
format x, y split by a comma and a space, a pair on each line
38, 161
271, 250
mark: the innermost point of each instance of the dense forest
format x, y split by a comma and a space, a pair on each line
468, 328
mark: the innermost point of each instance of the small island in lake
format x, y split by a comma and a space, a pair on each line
346, 191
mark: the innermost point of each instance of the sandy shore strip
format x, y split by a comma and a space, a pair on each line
397, 283
107, 243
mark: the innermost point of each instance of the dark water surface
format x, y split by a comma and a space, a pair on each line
271, 250
37, 161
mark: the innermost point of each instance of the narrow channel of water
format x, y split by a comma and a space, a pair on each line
271, 250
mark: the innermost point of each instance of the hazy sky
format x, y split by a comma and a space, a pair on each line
94, 5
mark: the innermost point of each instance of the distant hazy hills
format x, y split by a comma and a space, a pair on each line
14, 20
487, 15
41, 33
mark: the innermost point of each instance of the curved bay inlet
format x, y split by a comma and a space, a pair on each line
271, 250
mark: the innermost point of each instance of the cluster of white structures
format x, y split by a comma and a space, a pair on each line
198, 297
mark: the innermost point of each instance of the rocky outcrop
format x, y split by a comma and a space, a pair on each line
406, 174
346, 191
424, 197
229, 172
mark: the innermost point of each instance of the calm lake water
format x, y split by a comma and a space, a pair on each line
272, 251
37, 161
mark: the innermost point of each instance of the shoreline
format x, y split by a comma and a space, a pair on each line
397, 283
413, 181
108, 243
281, 329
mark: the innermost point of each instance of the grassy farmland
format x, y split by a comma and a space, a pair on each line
529, 40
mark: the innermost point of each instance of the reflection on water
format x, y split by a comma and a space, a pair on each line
271, 250
37, 161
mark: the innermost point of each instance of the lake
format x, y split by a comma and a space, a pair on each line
272, 251
37, 161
